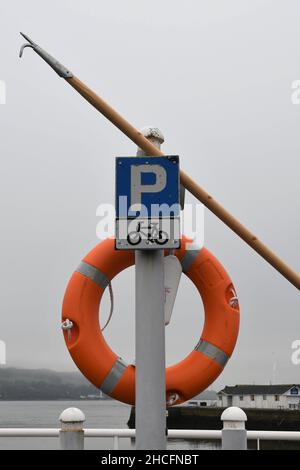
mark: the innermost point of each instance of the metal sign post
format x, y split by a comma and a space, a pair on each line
150, 391
148, 221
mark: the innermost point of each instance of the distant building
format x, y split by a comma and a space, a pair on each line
261, 396
207, 398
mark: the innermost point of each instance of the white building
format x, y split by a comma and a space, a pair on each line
261, 396
207, 398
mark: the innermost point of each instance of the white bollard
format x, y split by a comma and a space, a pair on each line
71, 434
234, 434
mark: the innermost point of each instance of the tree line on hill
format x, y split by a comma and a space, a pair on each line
43, 384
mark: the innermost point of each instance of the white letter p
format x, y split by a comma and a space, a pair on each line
137, 188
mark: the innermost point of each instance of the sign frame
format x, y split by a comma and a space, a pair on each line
147, 203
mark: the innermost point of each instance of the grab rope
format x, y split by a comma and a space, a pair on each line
111, 295
67, 325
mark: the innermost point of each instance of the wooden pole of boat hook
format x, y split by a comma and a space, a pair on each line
137, 137
150, 387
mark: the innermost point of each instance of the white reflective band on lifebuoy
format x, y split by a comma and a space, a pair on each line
113, 377
188, 259
93, 273
212, 352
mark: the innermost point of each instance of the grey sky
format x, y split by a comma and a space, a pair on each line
216, 78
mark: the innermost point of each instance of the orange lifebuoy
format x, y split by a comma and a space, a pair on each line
109, 372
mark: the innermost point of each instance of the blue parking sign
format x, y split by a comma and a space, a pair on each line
147, 202
145, 183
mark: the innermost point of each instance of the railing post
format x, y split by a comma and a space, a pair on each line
234, 434
116, 442
71, 434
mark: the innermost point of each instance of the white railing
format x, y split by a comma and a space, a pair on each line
186, 434
72, 433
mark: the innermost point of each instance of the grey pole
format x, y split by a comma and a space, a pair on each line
71, 434
234, 434
150, 411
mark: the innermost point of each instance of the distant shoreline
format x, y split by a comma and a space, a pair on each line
18, 384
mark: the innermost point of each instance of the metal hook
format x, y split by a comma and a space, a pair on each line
60, 69
30, 43
23, 47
